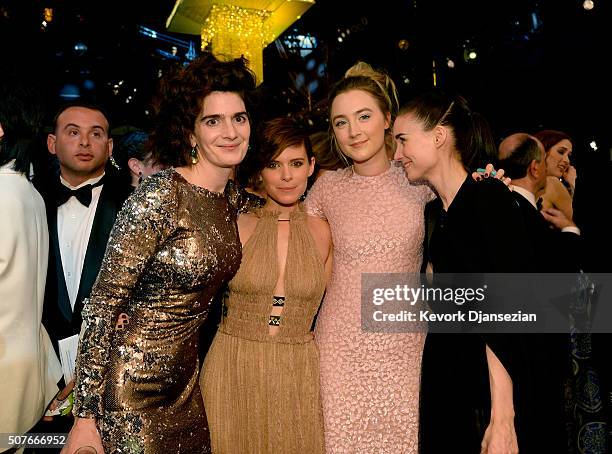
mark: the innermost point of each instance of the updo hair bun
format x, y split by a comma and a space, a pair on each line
381, 78
361, 68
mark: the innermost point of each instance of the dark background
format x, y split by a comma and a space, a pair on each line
540, 64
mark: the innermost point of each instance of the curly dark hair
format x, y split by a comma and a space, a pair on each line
179, 102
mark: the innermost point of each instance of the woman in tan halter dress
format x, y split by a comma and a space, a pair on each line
261, 375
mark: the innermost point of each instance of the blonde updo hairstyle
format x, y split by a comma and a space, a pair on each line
378, 84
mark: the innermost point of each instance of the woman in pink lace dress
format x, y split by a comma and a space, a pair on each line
369, 381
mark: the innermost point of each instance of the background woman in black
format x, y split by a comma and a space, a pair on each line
471, 385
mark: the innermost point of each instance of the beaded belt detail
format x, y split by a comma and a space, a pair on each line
277, 301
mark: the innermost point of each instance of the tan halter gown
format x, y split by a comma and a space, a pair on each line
261, 391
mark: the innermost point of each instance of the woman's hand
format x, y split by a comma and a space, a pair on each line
490, 172
84, 433
557, 218
570, 177
58, 400
499, 438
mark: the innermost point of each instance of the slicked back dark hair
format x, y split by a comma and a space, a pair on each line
471, 132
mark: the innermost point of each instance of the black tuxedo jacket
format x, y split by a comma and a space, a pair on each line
58, 317
554, 251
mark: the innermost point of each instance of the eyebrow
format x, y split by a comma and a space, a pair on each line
291, 160
218, 116
356, 112
74, 125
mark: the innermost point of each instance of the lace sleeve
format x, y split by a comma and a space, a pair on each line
314, 204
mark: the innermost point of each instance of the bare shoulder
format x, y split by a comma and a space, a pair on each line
321, 233
556, 193
246, 226
318, 227
553, 185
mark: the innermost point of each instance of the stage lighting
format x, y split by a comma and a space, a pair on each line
470, 55
588, 5
80, 48
70, 91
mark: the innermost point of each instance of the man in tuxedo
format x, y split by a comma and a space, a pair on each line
555, 244
555, 238
82, 203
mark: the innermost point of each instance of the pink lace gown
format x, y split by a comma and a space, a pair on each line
369, 381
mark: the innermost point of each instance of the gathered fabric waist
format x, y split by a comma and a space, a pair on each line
262, 335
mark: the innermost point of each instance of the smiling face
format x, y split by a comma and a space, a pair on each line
416, 148
221, 132
557, 158
359, 126
81, 143
285, 178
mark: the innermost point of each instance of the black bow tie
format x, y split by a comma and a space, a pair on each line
83, 194
539, 204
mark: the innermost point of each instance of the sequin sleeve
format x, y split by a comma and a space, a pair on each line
146, 220
241, 199
315, 199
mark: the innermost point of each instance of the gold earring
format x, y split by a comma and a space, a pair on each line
194, 155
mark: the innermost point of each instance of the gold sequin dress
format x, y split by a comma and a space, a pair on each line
261, 391
172, 248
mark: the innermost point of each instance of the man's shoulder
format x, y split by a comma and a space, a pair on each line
115, 190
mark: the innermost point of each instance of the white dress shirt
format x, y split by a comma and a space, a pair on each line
74, 222
530, 196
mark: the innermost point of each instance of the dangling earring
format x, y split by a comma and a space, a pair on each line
114, 163
194, 154
139, 177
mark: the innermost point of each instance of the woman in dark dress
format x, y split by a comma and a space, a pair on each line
174, 245
472, 386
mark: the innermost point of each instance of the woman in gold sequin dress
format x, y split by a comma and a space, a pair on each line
261, 376
173, 246
369, 381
